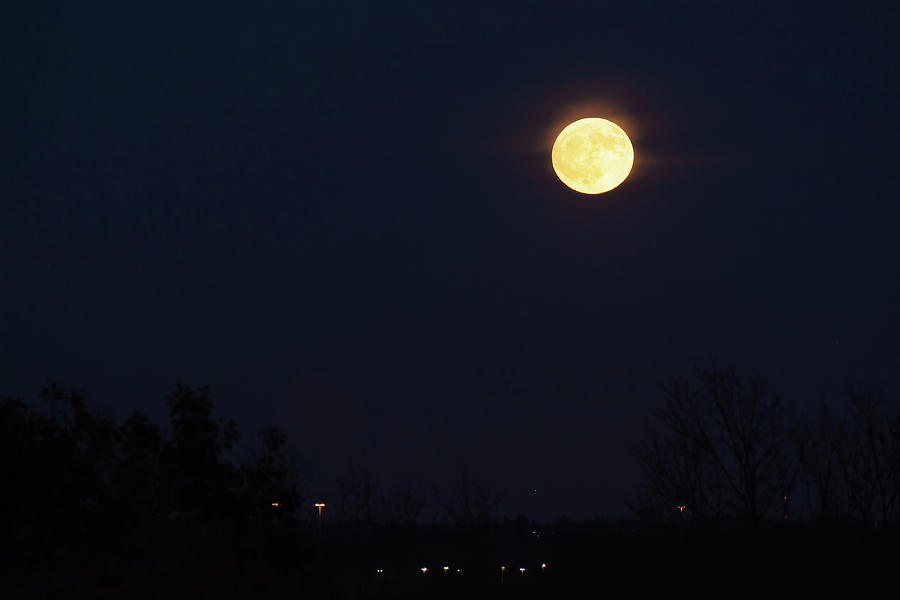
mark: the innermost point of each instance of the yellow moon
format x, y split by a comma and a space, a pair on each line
592, 155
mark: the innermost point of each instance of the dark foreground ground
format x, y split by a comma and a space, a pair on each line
581, 561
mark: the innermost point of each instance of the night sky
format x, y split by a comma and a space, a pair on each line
343, 218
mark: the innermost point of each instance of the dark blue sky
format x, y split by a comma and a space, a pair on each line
343, 219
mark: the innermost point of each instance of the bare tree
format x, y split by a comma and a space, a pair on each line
470, 503
879, 434
719, 447
402, 505
851, 462
357, 497
820, 468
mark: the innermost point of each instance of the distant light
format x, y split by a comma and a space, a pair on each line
276, 504
681, 507
320, 505
543, 566
503, 568
446, 568
522, 569
424, 569
785, 497
459, 570
379, 570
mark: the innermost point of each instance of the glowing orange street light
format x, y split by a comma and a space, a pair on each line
319, 507
276, 504
681, 507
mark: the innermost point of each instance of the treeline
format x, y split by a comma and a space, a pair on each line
73, 475
98, 508
722, 448
92, 506
469, 503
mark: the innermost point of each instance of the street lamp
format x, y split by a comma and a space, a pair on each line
319, 507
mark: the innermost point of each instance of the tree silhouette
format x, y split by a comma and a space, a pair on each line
720, 448
402, 505
136, 482
29, 473
198, 482
360, 500
272, 478
470, 503
851, 462
357, 497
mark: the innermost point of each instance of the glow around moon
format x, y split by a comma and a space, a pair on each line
592, 155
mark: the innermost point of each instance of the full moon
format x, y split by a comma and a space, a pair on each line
592, 155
